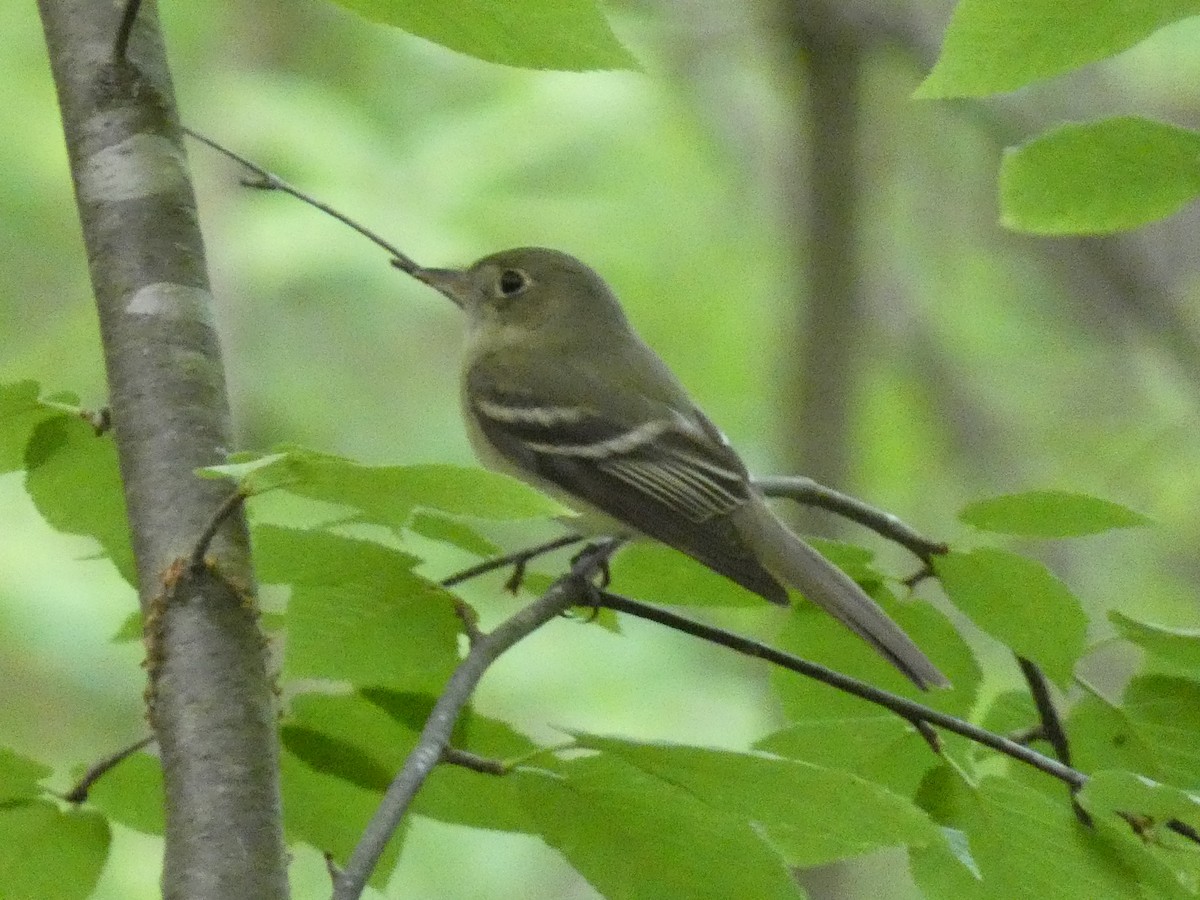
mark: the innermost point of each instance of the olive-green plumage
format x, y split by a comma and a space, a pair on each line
557, 389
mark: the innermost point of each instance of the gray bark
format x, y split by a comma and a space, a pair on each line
211, 703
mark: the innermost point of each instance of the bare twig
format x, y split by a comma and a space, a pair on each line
79, 793
267, 181
100, 419
332, 868
902, 706
518, 558
807, 492
470, 620
1028, 735
573, 588
232, 503
474, 762
1051, 729
124, 30
1051, 726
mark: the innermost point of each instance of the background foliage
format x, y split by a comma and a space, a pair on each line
990, 364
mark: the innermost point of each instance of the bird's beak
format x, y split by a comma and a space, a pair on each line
453, 283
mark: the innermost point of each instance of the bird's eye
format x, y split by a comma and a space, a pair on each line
512, 282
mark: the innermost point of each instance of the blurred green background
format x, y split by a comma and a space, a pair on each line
960, 361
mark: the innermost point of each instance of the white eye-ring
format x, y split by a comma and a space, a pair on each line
512, 282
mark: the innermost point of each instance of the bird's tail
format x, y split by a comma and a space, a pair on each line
800, 566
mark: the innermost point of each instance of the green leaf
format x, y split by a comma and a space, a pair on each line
857, 562
1019, 602
19, 776
353, 746
332, 747
1177, 646
454, 794
449, 530
650, 571
633, 835
835, 729
534, 34
880, 747
1099, 177
132, 793
258, 473
1023, 844
130, 629
813, 815
388, 495
993, 46
49, 854
357, 611
473, 732
1115, 792
813, 634
20, 412
73, 479
1152, 731
1051, 514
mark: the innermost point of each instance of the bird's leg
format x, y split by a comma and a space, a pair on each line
593, 559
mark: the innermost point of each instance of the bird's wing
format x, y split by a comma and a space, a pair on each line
670, 475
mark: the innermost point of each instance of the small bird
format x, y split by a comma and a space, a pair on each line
558, 390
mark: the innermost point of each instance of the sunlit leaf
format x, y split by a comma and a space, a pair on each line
20, 411
388, 495
132, 793
1178, 646
1025, 844
452, 531
813, 634
1119, 792
1019, 602
1049, 514
19, 775
534, 34
633, 835
358, 740
1099, 177
655, 573
1151, 731
814, 815
357, 611
48, 853
993, 46
74, 481
880, 747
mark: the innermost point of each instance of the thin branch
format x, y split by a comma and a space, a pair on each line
332, 869
1029, 734
572, 589
470, 620
269, 182
902, 706
100, 419
79, 793
230, 505
473, 761
518, 559
809, 493
124, 30
1051, 728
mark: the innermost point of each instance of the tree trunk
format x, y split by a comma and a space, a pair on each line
211, 703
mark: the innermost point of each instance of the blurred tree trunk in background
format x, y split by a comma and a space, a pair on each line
829, 322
